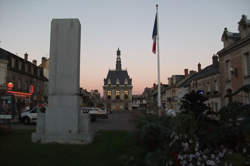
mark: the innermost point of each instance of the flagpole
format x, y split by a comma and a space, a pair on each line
158, 63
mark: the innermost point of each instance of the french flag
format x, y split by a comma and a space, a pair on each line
154, 35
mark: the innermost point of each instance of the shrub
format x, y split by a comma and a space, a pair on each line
193, 137
153, 131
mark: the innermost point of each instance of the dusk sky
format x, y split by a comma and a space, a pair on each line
190, 32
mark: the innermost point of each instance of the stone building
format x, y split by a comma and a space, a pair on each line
21, 78
235, 62
207, 81
171, 92
117, 89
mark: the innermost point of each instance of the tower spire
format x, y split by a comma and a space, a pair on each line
118, 60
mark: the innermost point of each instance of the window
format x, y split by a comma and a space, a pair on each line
13, 62
20, 65
32, 70
16, 64
216, 83
24, 86
247, 64
34, 111
216, 106
29, 68
109, 94
26, 68
125, 94
38, 72
208, 87
117, 94
23, 67
35, 70
228, 66
18, 84
109, 81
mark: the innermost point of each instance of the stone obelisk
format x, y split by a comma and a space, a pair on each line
63, 122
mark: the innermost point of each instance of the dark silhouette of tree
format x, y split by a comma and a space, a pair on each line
194, 102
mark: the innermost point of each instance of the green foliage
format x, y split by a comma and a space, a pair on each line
194, 102
185, 124
225, 132
234, 124
154, 131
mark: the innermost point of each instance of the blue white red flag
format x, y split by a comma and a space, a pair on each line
154, 35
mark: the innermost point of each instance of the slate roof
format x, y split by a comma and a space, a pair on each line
230, 35
206, 72
6, 55
113, 75
186, 81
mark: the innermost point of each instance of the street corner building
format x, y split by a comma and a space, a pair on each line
21, 80
117, 88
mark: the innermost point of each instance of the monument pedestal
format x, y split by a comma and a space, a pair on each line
83, 136
63, 122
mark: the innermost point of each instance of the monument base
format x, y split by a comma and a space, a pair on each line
84, 136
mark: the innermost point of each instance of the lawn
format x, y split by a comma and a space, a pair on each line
109, 148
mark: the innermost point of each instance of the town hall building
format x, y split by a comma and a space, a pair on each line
117, 88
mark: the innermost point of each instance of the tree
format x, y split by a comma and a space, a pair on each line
194, 102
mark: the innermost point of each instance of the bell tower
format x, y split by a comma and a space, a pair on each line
118, 60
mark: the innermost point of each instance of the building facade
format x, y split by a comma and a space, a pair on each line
207, 81
21, 78
117, 89
235, 62
45, 66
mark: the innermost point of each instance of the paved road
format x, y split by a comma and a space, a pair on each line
116, 121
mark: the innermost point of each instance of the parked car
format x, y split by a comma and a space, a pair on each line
95, 113
30, 116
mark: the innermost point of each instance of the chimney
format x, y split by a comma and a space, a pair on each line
215, 59
34, 62
26, 56
185, 72
44, 60
199, 67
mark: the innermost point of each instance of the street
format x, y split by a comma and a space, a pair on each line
116, 121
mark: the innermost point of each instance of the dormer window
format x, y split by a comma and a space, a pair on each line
126, 81
109, 81
117, 81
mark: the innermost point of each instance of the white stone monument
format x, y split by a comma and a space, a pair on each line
63, 122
